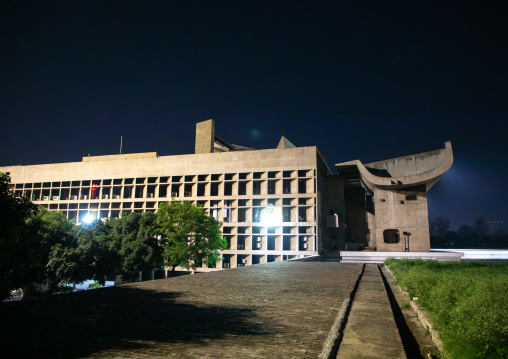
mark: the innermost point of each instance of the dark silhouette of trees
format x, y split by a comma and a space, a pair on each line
439, 226
16, 240
482, 227
466, 236
465, 230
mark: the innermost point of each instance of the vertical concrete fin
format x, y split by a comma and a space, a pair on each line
205, 134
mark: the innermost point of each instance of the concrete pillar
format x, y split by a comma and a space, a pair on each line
205, 136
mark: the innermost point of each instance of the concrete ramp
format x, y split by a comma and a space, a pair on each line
273, 310
371, 331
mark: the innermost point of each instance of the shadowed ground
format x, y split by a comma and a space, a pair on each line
274, 310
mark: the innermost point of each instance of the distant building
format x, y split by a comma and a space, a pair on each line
275, 204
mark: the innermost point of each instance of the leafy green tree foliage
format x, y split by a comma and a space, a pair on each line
94, 285
66, 265
15, 238
139, 247
188, 235
40, 250
100, 251
123, 246
35, 252
57, 258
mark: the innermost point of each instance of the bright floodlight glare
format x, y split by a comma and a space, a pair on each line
87, 219
272, 216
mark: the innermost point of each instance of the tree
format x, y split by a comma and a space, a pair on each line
66, 265
57, 259
439, 226
34, 246
123, 246
100, 251
482, 227
465, 230
139, 247
16, 241
188, 235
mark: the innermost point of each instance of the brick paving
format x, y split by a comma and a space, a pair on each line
273, 310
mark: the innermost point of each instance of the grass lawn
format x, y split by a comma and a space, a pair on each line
468, 302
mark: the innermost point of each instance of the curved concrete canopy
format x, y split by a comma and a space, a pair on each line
402, 172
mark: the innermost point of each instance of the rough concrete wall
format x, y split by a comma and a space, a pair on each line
149, 165
411, 165
406, 211
332, 199
356, 216
205, 135
121, 167
371, 230
120, 157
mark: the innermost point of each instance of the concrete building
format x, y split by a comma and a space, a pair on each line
270, 201
386, 201
275, 204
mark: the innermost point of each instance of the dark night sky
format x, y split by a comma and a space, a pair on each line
366, 80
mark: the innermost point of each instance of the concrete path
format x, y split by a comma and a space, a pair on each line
273, 310
371, 331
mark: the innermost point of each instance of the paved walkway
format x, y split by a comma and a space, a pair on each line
273, 310
371, 331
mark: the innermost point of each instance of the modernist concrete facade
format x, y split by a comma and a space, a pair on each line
275, 204
386, 201
269, 201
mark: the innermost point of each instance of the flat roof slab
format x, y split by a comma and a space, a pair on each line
273, 310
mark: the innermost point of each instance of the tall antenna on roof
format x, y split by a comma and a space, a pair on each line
121, 141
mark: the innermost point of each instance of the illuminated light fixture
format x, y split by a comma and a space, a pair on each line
272, 216
88, 218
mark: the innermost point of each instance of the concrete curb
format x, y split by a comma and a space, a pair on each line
423, 316
337, 330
